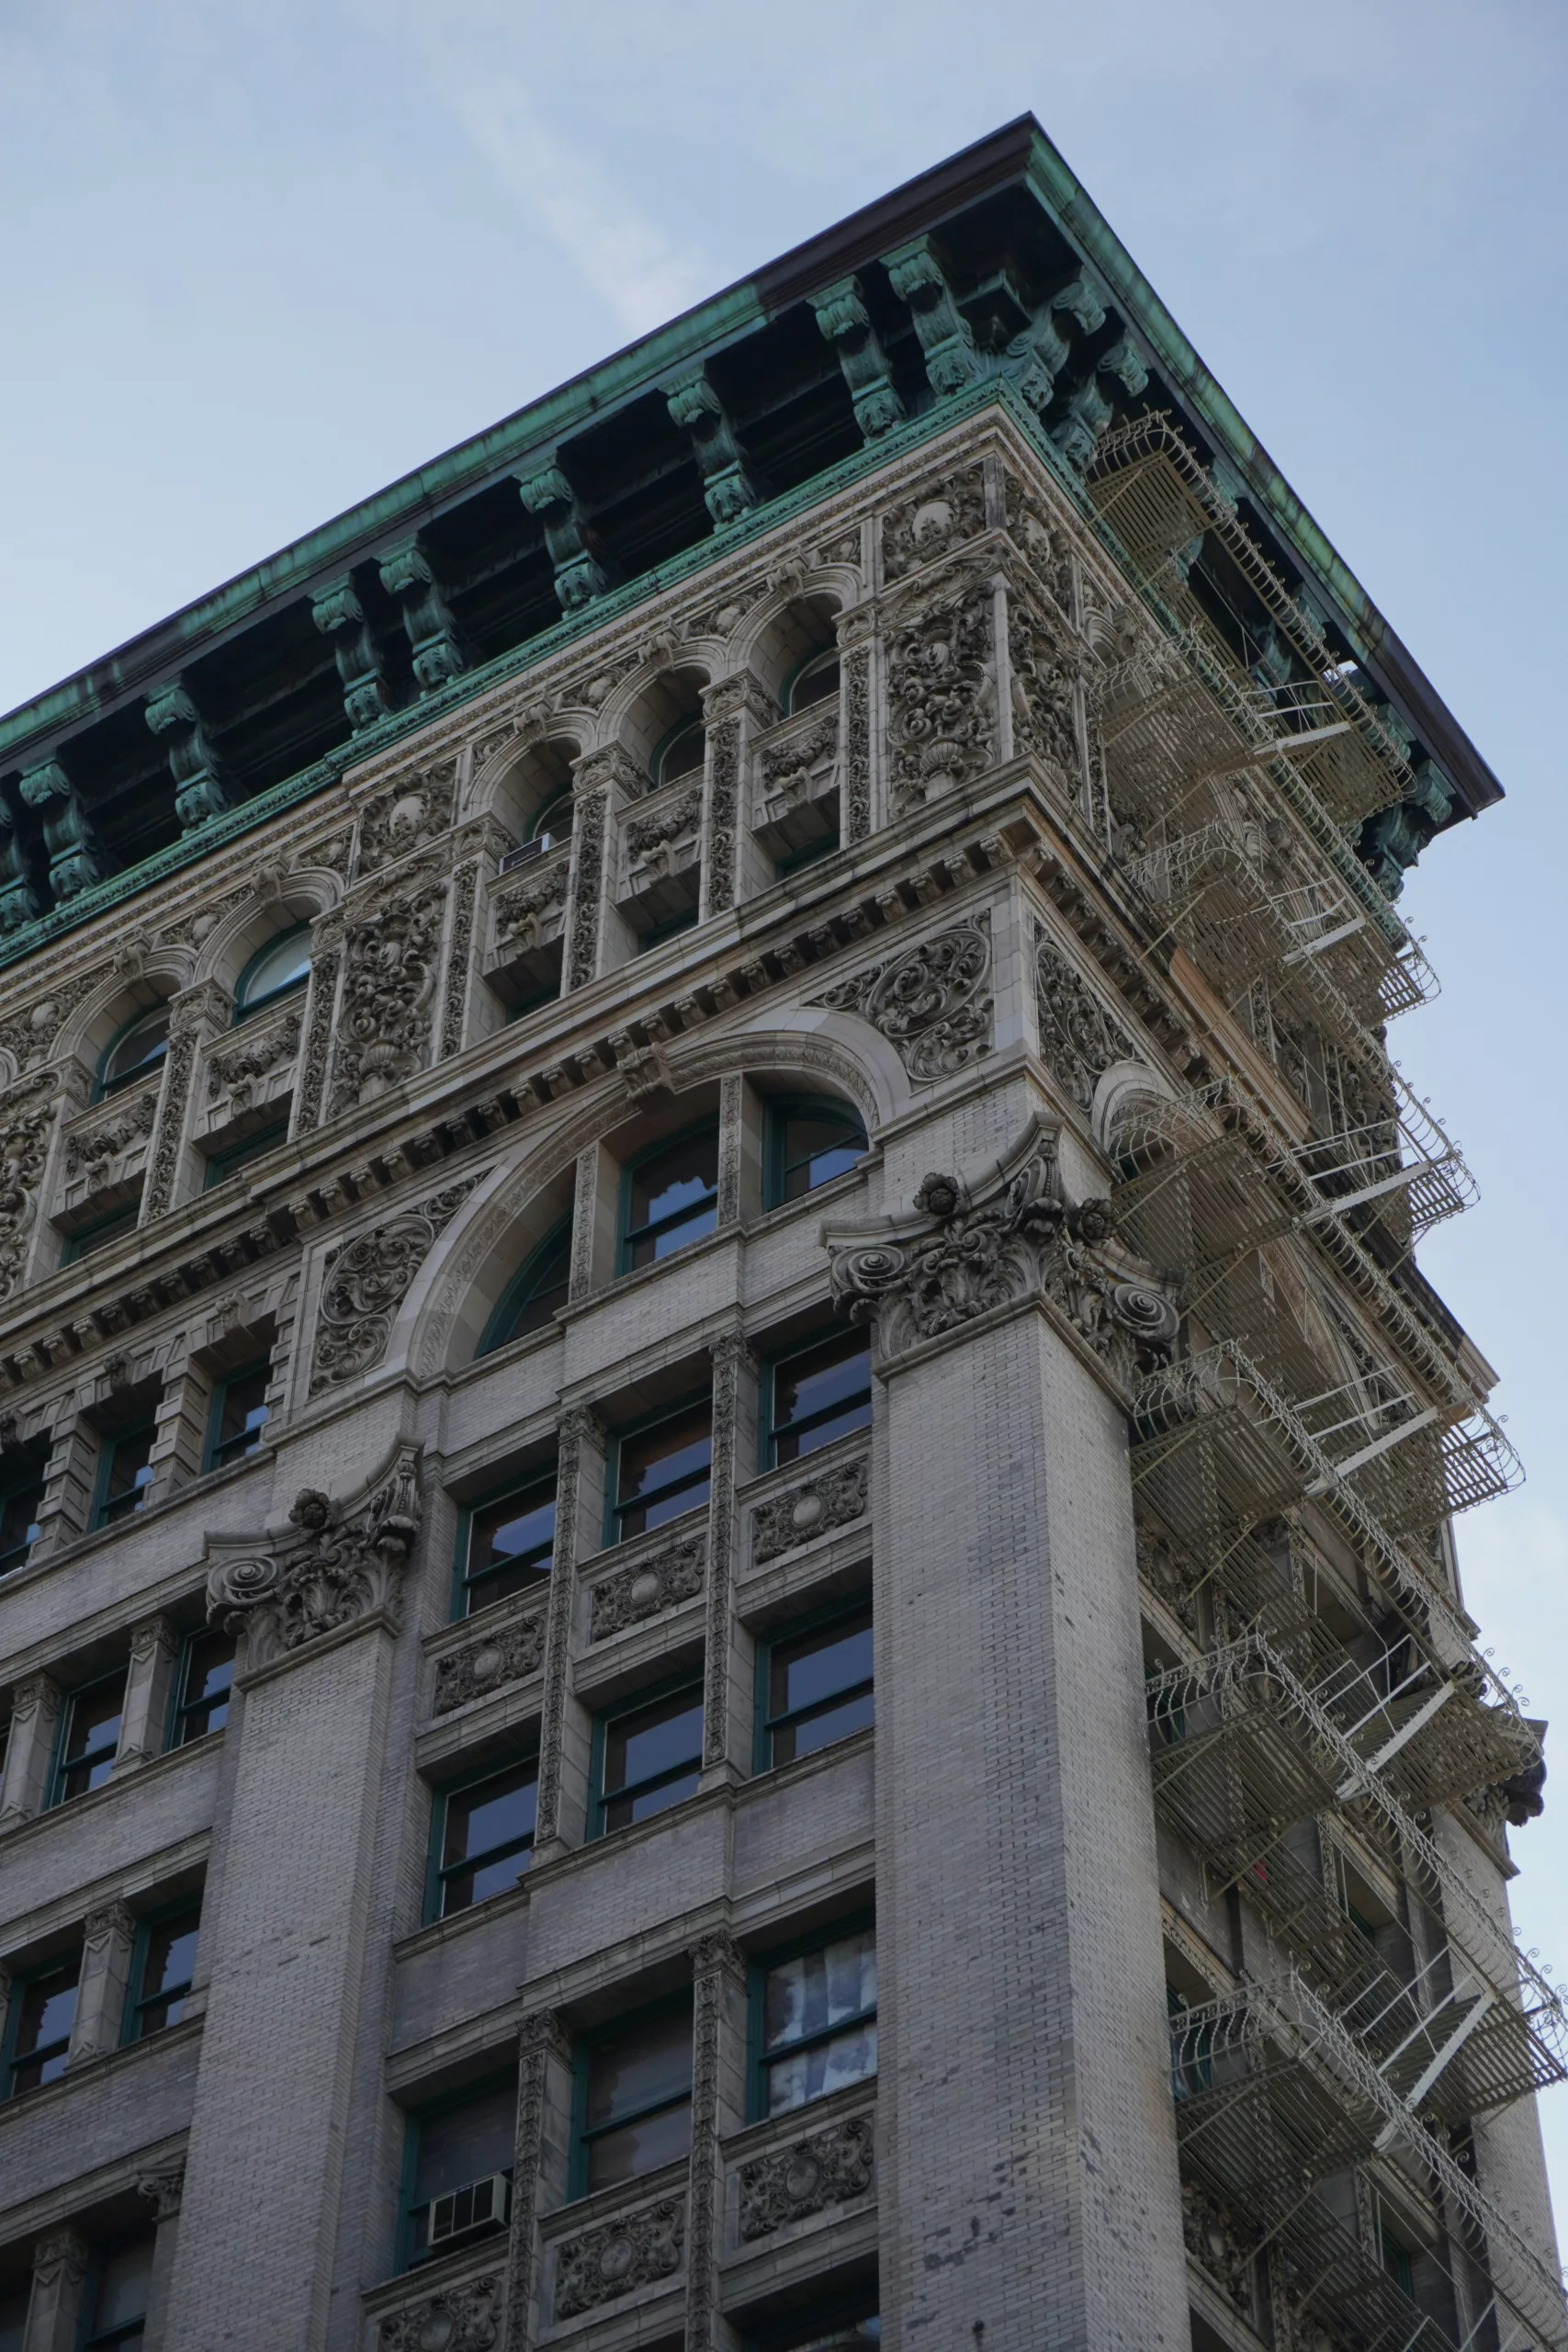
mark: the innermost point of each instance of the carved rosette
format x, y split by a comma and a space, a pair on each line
334, 1563
810, 2175
941, 690
785, 1521
391, 955
647, 1587
1079, 1036
1013, 1235
465, 2318
641, 2248
932, 1002
507, 1655
366, 1281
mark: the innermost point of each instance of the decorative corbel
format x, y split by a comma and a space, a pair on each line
439, 654
1090, 409
19, 902
77, 859
334, 1564
199, 780
728, 489
948, 345
574, 550
846, 323
339, 615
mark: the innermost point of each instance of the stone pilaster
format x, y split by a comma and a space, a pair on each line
725, 1711
855, 652
453, 1033
733, 710
60, 2277
592, 852
154, 1652
196, 1014
316, 1028
108, 1938
731, 1146
30, 1751
538, 2163
718, 2106
163, 2190
579, 1488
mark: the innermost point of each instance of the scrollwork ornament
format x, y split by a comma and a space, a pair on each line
641, 2248
336, 1563
1079, 1036
792, 2183
367, 1281
28, 1112
785, 1521
391, 955
932, 1002
646, 1588
462, 2318
941, 692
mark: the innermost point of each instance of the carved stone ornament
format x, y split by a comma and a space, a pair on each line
646, 1587
237, 1071
392, 955
790, 2184
509, 1654
94, 1146
334, 1563
465, 2318
801, 766
1043, 663
938, 517
27, 1115
367, 1281
653, 842
1011, 1233
529, 915
1219, 2244
1078, 1037
942, 691
407, 816
163, 2188
785, 1521
932, 1004
635, 2249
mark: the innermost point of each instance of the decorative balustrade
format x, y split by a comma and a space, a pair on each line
795, 781
623, 2242
821, 1496
814, 2165
503, 1644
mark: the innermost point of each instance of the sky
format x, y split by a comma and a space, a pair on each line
259, 257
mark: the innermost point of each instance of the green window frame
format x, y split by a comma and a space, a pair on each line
38, 2044
785, 1162
673, 754
499, 2096
653, 2116
813, 1395
527, 1560
229, 1396
20, 1496
798, 2012
510, 1835
654, 1743
99, 1232
202, 1687
697, 1208
163, 1966
689, 1480
109, 1081
530, 1299
812, 674
221, 1165
246, 1003
122, 1450
807, 1697
88, 1737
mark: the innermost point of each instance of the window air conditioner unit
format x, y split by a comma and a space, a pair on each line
529, 850
479, 2205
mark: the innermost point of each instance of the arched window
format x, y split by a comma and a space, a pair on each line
136, 1051
815, 681
680, 753
553, 823
534, 1292
274, 970
810, 1141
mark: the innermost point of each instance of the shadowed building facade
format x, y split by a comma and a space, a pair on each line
727, 1610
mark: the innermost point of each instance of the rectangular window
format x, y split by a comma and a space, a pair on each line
651, 1756
118, 2299
207, 1673
482, 1839
225, 1164
125, 1473
671, 1198
817, 1687
99, 1234
43, 2009
815, 1395
161, 1972
660, 1471
810, 1143
456, 2156
636, 2099
505, 1545
816, 2014
89, 1734
239, 1414
20, 1504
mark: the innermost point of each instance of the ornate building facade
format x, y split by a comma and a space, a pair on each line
726, 1597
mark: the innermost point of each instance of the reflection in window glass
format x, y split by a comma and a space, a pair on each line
811, 1145
19, 1520
88, 1738
638, 2103
204, 1687
819, 1395
487, 1840
819, 2021
662, 1471
816, 680
819, 1688
280, 968
167, 1966
511, 1543
680, 753
533, 1295
125, 1475
460, 2143
672, 1198
653, 1757
137, 1051
239, 1414
43, 2010
118, 2305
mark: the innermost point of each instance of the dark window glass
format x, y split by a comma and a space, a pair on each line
99, 1234
45, 2010
205, 1682
819, 2021
14, 2303
118, 2304
511, 1543
653, 1756
167, 1965
821, 1393
672, 1198
137, 1051
816, 682
662, 1471
454, 2148
682, 751
533, 1296
280, 968
89, 1736
637, 2102
126, 1474
819, 1688
18, 1520
811, 1146
487, 1839
239, 1414
671, 930
1396, 2259
553, 822
225, 1164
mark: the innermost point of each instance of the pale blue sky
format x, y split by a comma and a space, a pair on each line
260, 256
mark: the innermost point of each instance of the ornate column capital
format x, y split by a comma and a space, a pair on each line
164, 2188
334, 1563
717, 1954
110, 1923
59, 2256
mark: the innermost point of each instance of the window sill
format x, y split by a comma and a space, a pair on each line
95, 2071
157, 1768
436, 1932
409, 2287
